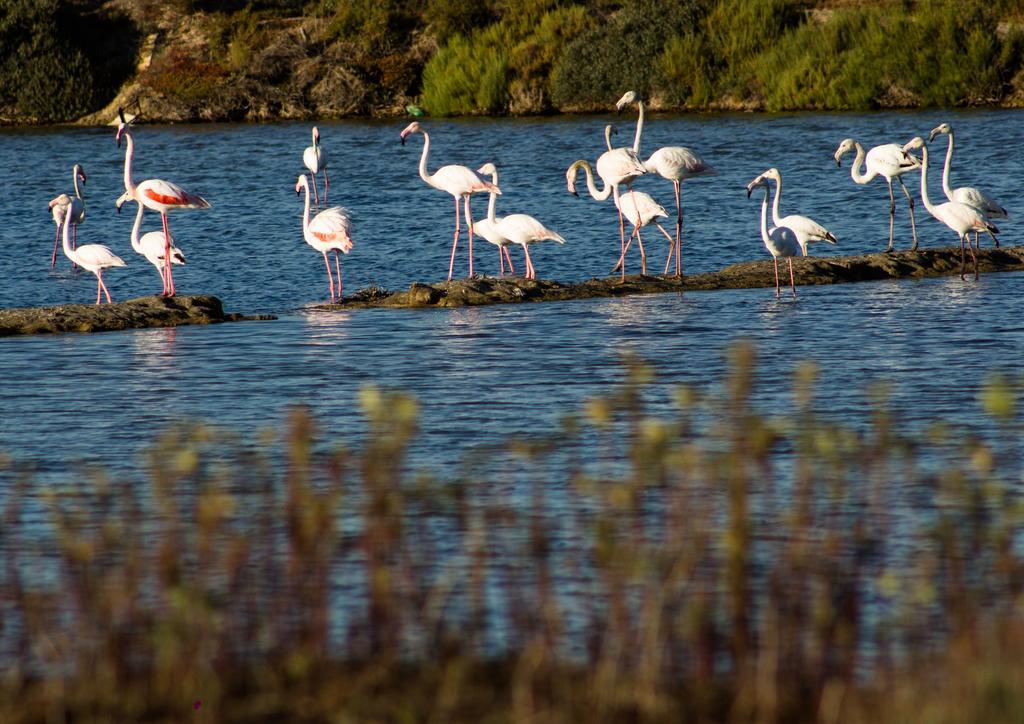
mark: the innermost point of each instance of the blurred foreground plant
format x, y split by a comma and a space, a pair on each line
711, 563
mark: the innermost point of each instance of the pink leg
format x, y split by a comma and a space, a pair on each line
639, 241
679, 229
316, 196
337, 263
469, 220
98, 287
776, 260
330, 279
455, 243
53, 259
511, 269
99, 275
163, 276
622, 259
501, 261
671, 245
325, 193
531, 273
792, 281
167, 256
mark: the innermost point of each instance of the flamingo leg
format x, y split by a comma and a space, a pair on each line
316, 196
98, 287
337, 258
639, 241
622, 232
892, 213
679, 229
994, 239
776, 260
962, 255
792, 281
501, 261
910, 202
975, 258
511, 269
531, 273
163, 276
622, 259
671, 248
469, 220
167, 256
325, 194
455, 243
330, 279
53, 259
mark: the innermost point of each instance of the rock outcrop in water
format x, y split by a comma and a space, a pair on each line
809, 270
132, 314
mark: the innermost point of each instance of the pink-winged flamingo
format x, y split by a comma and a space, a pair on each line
156, 194
328, 231
91, 257
958, 216
890, 162
970, 195
59, 207
314, 158
806, 230
152, 244
674, 163
487, 227
780, 241
459, 181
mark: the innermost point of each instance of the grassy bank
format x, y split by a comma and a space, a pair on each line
269, 59
708, 563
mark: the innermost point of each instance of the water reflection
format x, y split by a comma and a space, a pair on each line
155, 350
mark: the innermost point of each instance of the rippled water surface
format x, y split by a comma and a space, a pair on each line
482, 372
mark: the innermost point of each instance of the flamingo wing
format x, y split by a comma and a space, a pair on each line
782, 242
807, 228
973, 196
490, 232
152, 245
619, 166
332, 227
169, 195
632, 202
313, 158
524, 229
677, 163
99, 256
891, 160
460, 180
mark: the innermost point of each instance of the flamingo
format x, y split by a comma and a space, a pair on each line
957, 215
970, 195
152, 245
488, 226
615, 166
640, 210
525, 230
459, 181
674, 163
889, 161
314, 158
806, 230
58, 208
328, 231
91, 257
780, 241
156, 194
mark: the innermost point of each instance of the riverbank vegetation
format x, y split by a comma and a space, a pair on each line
269, 59
662, 554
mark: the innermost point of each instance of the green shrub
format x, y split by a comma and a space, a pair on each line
446, 18
468, 75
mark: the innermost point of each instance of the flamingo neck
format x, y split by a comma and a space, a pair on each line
924, 181
597, 195
855, 170
764, 215
305, 211
608, 136
423, 161
136, 244
639, 128
129, 152
68, 251
776, 216
492, 202
74, 179
946, 169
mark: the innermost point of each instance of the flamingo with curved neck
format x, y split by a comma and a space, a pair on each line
91, 257
59, 207
806, 230
156, 194
152, 244
328, 231
890, 161
958, 216
780, 241
488, 226
459, 181
673, 163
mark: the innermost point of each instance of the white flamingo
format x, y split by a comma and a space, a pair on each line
780, 241
59, 207
640, 209
958, 216
970, 195
674, 163
889, 161
806, 230
487, 227
156, 194
314, 158
328, 231
459, 181
152, 244
525, 230
91, 257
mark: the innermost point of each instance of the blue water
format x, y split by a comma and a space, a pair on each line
484, 372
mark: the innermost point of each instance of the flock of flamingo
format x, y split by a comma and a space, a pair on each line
967, 209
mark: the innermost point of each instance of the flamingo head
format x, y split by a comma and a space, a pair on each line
79, 172
627, 98
941, 128
316, 135
913, 144
488, 169
122, 200
302, 183
570, 176
759, 181
413, 127
848, 144
771, 174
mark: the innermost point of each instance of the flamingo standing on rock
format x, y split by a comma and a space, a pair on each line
890, 161
970, 195
806, 230
91, 257
487, 227
459, 181
156, 194
314, 158
674, 163
328, 231
152, 245
519, 229
59, 207
958, 216
780, 241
